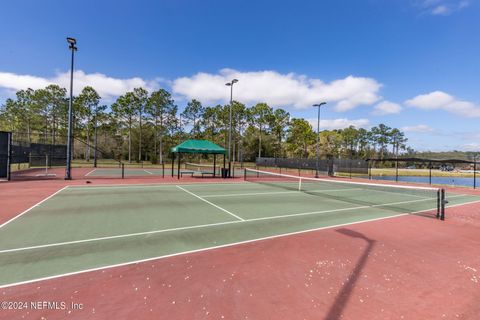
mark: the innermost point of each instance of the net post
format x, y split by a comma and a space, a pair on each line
443, 202
245, 174
163, 170
438, 203
123, 170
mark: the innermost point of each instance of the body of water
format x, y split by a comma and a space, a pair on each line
451, 181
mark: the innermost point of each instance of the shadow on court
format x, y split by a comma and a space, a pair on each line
341, 300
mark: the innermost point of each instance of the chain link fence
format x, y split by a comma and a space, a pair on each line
331, 167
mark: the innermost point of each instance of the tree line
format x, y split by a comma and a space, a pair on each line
143, 126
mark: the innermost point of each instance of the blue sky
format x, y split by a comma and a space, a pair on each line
411, 64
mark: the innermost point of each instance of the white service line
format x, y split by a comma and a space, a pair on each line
212, 204
90, 172
36, 205
147, 171
268, 193
247, 194
461, 204
156, 185
59, 244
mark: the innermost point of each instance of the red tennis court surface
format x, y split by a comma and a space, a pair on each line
408, 267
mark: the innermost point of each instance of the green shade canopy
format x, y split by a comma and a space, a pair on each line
198, 146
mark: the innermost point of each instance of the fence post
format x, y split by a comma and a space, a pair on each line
475, 172
443, 202
430, 172
350, 167
9, 156
370, 163
438, 203
396, 170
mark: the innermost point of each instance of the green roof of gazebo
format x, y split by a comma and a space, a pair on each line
198, 146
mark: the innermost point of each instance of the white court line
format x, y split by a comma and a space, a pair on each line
247, 194
59, 244
156, 185
205, 225
275, 192
201, 250
90, 172
461, 204
36, 205
210, 203
147, 171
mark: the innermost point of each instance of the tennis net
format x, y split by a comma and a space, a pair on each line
398, 198
205, 168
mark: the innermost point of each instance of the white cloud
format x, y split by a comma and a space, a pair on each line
442, 7
421, 128
471, 147
386, 107
439, 100
330, 124
441, 10
107, 87
278, 89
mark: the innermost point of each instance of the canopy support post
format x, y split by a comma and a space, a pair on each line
178, 167
173, 162
214, 164
224, 161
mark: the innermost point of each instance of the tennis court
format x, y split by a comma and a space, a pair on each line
82, 228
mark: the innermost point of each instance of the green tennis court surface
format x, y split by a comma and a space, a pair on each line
82, 228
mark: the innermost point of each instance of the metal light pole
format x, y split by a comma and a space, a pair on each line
230, 84
68, 171
319, 105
